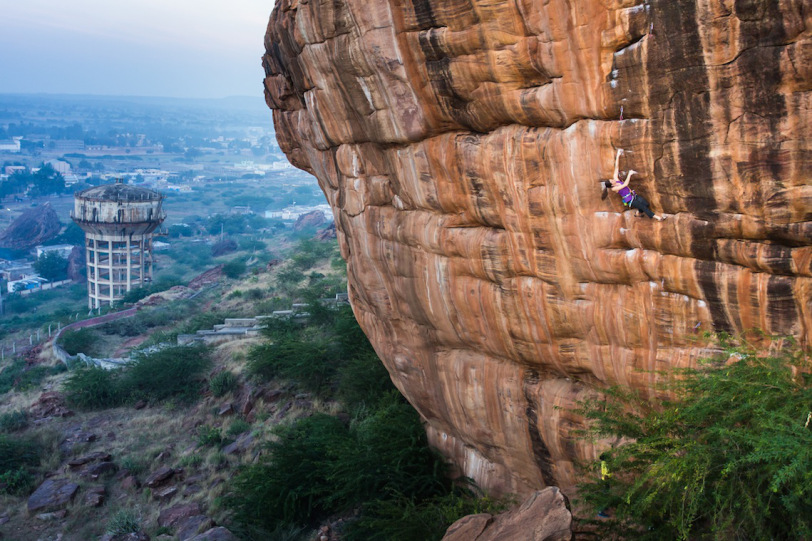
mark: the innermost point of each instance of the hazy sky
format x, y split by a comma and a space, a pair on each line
173, 48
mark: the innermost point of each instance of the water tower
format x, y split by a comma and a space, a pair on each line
119, 221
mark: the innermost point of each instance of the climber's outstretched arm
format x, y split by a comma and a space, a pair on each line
617, 166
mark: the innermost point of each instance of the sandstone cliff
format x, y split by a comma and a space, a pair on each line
460, 144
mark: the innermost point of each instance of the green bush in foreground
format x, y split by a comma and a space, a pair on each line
223, 383
79, 341
18, 457
320, 466
13, 421
729, 457
176, 372
92, 387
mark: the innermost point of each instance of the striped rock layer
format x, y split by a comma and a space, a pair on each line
461, 144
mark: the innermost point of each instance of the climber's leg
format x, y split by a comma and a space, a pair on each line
640, 203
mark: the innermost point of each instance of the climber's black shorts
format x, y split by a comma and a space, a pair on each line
639, 202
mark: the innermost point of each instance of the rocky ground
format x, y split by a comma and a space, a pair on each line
163, 466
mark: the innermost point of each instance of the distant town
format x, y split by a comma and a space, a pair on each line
216, 161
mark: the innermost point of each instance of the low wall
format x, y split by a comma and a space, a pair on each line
66, 358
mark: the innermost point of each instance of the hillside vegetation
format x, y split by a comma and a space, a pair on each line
272, 437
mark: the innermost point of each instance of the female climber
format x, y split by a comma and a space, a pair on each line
630, 197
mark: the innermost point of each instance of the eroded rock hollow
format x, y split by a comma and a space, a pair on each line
461, 144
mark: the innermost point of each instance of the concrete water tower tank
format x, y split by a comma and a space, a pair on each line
119, 221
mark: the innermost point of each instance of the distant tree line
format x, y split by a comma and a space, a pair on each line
46, 181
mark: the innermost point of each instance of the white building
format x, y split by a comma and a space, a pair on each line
10, 145
293, 212
63, 168
62, 249
27, 283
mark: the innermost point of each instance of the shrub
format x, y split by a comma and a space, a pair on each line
13, 421
136, 294
169, 372
18, 456
237, 427
222, 383
133, 465
308, 363
16, 482
234, 268
362, 381
254, 294
319, 466
124, 521
79, 341
728, 456
92, 387
191, 461
293, 486
209, 435
406, 519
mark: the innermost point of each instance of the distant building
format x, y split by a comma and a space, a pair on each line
10, 145
27, 283
293, 212
66, 145
61, 167
11, 169
240, 209
13, 270
62, 249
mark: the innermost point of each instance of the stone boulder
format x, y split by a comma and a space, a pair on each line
215, 534
170, 516
76, 263
52, 495
192, 526
34, 226
544, 516
328, 233
49, 404
159, 477
309, 220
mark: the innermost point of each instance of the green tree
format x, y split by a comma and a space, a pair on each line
51, 266
728, 457
234, 268
46, 181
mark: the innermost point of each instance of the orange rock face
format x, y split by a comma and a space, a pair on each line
461, 144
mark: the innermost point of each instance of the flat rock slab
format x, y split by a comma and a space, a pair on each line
192, 526
94, 471
165, 493
544, 516
215, 534
159, 477
52, 495
92, 457
243, 442
170, 516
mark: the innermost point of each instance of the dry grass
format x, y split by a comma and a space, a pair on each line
136, 438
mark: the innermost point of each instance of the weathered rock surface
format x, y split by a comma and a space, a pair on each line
52, 495
544, 516
311, 219
34, 226
215, 534
76, 263
49, 404
171, 516
460, 144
